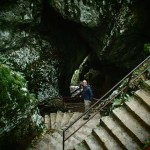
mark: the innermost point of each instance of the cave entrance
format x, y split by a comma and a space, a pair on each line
101, 76
78, 73
77, 78
92, 70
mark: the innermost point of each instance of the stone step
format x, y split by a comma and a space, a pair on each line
71, 142
81, 146
95, 121
55, 141
58, 119
80, 134
44, 144
106, 139
47, 139
83, 132
139, 110
53, 120
65, 119
74, 117
86, 129
92, 143
47, 121
144, 96
41, 144
90, 124
133, 125
146, 85
120, 133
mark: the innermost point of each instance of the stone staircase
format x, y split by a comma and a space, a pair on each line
128, 127
55, 122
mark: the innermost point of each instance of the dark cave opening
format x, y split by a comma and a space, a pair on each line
66, 35
101, 76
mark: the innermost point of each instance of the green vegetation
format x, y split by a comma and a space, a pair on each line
147, 145
147, 48
19, 117
13, 90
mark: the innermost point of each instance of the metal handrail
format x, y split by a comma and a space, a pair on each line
75, 90
128, 76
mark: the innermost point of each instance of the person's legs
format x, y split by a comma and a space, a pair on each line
87, 106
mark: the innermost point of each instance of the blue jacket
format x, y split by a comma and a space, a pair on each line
87, 93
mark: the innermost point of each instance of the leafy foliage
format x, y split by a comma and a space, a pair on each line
19, 115
147, 48
147, 144
13, 90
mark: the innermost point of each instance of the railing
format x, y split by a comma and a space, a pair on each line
127, 80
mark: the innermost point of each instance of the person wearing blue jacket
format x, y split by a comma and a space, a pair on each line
87, 96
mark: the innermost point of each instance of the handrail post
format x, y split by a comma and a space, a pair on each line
63, 140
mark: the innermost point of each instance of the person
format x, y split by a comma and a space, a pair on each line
87, 96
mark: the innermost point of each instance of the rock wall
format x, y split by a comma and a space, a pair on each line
48, 40
24, 49
19, 115
115, 30
71, 46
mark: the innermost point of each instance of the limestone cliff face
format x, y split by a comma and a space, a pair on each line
82, 11
24, 49
19, 115
115, 30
